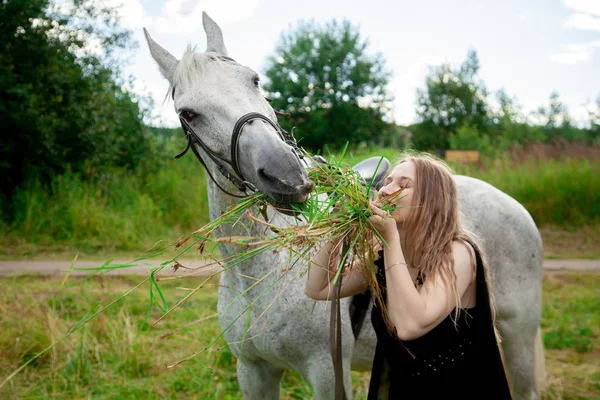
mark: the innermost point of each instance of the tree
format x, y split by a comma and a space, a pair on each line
509, 110
62, 105
594, 116
557, 122
452, 97
323, 77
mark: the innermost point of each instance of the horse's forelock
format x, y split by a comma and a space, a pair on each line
193, 67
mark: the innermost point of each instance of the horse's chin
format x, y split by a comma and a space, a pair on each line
290, 202
291, 209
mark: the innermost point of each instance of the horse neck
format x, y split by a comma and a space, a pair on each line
257, 266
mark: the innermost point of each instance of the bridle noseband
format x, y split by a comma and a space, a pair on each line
237, 178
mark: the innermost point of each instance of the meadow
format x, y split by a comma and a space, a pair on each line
119, 354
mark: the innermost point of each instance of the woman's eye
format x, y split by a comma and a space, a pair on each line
187, 115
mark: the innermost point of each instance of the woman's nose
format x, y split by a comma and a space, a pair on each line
384, 190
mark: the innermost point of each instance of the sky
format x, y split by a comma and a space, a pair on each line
529, 48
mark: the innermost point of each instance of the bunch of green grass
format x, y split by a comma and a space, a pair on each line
338, 210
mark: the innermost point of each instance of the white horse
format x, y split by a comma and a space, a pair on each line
211, 93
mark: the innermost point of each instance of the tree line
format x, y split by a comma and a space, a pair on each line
323, 76
63, 106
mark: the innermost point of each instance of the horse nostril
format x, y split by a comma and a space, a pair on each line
307, 186
264, 176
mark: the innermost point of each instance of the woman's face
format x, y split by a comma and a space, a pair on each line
402, 177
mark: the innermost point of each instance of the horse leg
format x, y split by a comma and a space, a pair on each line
540, 363
318, 371
519, 348
259, 380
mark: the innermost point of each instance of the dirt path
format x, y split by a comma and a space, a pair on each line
197, 267
200, 269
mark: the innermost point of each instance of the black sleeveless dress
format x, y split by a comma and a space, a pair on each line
461, 361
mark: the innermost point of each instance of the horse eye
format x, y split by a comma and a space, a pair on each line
187, 115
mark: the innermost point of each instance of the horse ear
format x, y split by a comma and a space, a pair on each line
166, 62
214, 36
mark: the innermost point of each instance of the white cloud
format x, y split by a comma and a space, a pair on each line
185, 16
570, 58
132, 15
522, 17
577, 48
575, 53
584, 6
130, 12
581, 21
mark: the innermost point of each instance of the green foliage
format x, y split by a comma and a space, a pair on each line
467, 138
517, 134
557, 123
560, 192
62, 105
594, 115
334, 90
571, 319
452, 97
555, 115
117, 210
125, 210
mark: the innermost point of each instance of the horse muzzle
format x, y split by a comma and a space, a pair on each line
282, 190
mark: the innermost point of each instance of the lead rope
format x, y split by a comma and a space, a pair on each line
335, 336
335, 339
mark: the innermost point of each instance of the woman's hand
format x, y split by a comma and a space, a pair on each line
383, 222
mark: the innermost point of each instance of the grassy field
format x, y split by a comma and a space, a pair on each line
124, 213
119, 355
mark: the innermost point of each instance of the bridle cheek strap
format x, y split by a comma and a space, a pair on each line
240, 183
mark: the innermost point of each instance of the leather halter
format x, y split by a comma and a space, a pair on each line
237, 178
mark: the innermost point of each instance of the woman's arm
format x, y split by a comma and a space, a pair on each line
412, 312
322, 270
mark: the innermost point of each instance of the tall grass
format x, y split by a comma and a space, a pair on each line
118, 210
555, 192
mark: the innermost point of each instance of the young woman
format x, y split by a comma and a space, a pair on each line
435, 325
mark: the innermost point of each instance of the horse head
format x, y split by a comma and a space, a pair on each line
225, 114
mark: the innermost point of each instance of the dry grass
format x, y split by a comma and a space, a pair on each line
560, 149
115, 356
572, 375
571, 243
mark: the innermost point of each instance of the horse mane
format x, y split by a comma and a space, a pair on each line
193, 66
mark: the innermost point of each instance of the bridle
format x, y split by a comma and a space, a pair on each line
237, 178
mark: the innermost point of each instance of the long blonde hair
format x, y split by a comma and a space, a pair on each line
432, 229
434, 224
